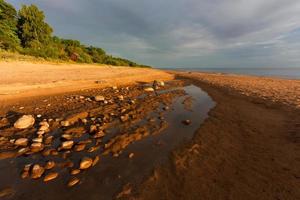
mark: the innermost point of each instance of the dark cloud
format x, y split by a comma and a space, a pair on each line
183, 32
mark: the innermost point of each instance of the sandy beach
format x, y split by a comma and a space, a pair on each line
197, 136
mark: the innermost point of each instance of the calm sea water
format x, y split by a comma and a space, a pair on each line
286, 73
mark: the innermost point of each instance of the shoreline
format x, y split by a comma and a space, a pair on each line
247, 148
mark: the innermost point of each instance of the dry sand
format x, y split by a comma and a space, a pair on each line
24, 79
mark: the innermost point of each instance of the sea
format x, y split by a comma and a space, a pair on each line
285, 73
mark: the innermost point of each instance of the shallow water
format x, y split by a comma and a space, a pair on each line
108, 177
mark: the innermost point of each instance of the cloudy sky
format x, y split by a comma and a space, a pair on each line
183, 33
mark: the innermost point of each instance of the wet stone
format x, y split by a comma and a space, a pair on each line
79, 147
96, 160
187, 122
74, 181
50, 165
37, 171
131, 155
50, 176
75, 171
86, 163
67, 145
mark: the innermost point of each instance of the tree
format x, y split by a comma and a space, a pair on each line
8, 31
33, 31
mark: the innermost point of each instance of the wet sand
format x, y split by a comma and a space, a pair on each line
242, 141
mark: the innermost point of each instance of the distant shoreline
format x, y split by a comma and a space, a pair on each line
284, 73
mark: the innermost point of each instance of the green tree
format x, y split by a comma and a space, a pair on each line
33, 31
8, 31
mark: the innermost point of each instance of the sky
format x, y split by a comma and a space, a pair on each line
183, 33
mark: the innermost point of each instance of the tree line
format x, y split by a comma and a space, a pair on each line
25, 31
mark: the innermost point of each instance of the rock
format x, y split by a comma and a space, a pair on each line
23, 150
99, 98
67, 144
73, 182
84, 121
96, 160
131, 155
124, 118
187, 122
50, 176
26, 121
161, 83
99, 134
114, 87
50, 165
40, 133
92, 149
65, 123
75, 171
93, 128
44, 128
37, 171
86, 163
37, 140
36, 147
21, 142
44, 123
149, 89
49, 140
79, 147
25, 173
12, 141
67, 136
39, 116
121, 97
68, 164
166, 108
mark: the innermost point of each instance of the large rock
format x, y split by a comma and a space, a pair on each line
86, 163
21, 142
37, 171
26, 121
